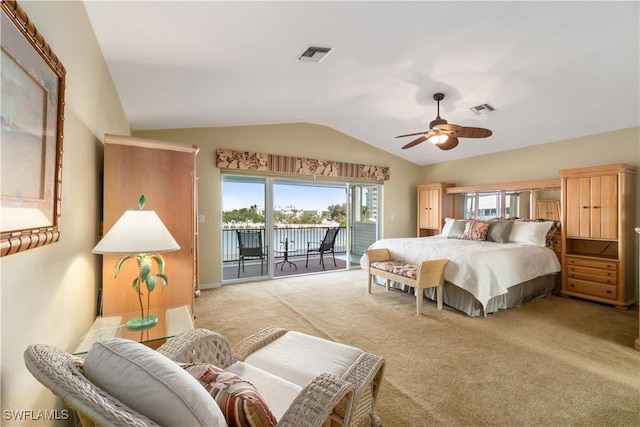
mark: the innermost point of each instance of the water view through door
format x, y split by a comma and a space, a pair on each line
313, 226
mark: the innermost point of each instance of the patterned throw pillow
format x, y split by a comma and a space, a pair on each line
476, 230
239, 400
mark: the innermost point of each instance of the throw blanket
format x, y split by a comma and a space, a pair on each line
484, 269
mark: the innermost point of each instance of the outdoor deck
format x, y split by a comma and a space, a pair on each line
252, 268
296, 238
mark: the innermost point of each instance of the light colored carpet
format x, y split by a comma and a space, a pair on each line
552, 362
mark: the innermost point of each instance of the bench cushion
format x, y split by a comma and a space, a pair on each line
397, 267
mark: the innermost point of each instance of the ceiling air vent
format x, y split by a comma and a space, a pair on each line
314, 54
482, 109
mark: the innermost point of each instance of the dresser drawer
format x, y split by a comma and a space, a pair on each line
592, 288
594, 263
609, 280
592, 271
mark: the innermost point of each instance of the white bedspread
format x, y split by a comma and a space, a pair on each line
485, 269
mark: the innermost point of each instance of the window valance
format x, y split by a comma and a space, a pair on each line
261, 162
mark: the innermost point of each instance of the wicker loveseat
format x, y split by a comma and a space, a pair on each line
344, 397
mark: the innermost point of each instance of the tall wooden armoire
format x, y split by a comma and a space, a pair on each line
166, 174
598, 251
433, 207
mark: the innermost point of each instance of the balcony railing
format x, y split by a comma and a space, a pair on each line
296, 236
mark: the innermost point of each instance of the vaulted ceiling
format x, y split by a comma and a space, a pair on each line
551, 70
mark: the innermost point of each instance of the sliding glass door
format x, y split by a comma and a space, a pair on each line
363, 221
245, 242
301, 226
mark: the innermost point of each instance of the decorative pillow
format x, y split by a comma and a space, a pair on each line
530, 232
499, 231
476, 230
448, 223
552, 232
150, 383
238, 399
457, 229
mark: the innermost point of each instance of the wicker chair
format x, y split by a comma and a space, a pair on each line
326, 401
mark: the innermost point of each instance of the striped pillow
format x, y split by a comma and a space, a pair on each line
238, 399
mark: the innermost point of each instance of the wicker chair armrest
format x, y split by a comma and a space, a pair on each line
366, 370
256, 341
63, 374
198, 346
325, 397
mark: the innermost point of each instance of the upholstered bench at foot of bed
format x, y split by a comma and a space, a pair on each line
424, 275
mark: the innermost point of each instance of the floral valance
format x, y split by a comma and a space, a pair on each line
260, 162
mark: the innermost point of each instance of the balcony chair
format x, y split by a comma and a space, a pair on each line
250, 247
327, 245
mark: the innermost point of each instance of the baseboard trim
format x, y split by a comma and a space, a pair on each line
204, 286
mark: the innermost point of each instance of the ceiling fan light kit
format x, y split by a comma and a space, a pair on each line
438, 138
444, 135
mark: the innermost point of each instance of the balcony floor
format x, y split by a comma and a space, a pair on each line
252, 268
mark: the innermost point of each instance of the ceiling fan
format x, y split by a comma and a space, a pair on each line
443, 135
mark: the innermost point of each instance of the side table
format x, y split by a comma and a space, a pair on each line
171, 322
285, 253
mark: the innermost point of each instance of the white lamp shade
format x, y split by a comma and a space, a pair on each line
137, 231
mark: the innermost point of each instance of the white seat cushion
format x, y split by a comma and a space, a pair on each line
277, 392
299, 357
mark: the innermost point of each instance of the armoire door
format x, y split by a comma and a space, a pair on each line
165, 174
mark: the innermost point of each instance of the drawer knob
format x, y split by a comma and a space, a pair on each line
608, 292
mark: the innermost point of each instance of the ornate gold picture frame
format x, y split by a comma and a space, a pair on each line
32, 113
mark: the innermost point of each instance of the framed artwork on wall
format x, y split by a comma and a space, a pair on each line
31, 114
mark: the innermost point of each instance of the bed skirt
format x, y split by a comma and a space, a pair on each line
462, 300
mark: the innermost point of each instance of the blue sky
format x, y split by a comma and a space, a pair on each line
243, 195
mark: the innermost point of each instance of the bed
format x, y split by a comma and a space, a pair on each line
486, 272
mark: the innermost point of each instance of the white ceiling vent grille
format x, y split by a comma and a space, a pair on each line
482, 109
314, 54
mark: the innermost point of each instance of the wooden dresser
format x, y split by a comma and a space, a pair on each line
597, 234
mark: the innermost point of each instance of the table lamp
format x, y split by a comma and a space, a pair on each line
140, 235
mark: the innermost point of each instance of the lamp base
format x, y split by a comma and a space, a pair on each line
142, 322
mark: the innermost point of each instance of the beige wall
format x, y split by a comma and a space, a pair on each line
48, 294
296, 140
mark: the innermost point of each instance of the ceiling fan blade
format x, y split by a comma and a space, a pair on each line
412, 134
451, 142
415, 142
469, 132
